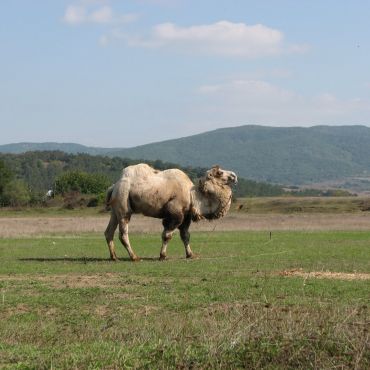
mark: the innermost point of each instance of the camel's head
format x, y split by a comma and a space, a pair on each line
223, 176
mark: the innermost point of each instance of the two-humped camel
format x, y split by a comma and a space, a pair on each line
169, 195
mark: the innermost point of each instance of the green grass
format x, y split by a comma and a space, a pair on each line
51, 212
63, 305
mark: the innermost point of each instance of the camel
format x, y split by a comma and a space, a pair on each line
168, 195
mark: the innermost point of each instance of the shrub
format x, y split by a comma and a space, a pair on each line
82, 182
93, 202
15, 194
5, 176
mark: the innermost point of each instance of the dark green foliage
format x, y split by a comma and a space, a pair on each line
5, 175
250, 188
15, 194
82, 182
321, 193
40, 169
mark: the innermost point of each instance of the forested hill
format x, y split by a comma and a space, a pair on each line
292, 155
272, 154
39, 170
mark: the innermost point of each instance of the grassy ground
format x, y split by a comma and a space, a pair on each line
63, 305
51, 212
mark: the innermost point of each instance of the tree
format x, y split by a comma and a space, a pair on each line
5, 176
16, 193
81, 182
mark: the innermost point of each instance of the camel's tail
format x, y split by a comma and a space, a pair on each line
108, 198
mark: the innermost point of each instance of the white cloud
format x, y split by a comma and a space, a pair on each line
220, 38
102, 15
75, 14
260, 102
95, 11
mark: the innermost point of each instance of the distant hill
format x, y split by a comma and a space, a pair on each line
71, 148
293, 155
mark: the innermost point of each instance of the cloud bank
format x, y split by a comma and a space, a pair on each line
95, 11
222, 38
257, 101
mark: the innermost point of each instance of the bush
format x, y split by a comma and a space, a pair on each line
81, 182
15, 194
93, 202
5, 176
74, 200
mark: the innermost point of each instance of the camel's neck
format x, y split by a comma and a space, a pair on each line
210, 205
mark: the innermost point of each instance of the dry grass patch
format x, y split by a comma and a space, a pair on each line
69, 281
20, 227
326, 274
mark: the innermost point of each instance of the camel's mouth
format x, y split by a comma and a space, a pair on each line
232, 179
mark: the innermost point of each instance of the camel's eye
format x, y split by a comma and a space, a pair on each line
219, 173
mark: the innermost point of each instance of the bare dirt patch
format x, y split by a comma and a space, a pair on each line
42, 226
69, 281
326, 275
61, 281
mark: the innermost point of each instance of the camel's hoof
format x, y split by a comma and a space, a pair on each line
192, 256
136, 259
114, 259
162, 257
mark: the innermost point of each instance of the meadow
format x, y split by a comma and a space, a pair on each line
251, 300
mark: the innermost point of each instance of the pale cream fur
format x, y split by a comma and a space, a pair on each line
169, 195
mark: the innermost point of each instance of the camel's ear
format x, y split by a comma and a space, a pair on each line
216, 171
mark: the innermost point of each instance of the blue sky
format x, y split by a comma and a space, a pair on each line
119, 73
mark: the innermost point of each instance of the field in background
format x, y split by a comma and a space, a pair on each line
294, 205
258, 205
245, 303
270, 214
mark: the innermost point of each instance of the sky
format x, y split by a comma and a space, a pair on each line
120, 73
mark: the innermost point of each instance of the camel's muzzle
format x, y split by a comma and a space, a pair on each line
233, 179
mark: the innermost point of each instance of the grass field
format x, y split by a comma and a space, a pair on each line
63, 305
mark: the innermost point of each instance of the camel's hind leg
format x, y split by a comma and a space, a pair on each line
109, 235
166, 237
123, 237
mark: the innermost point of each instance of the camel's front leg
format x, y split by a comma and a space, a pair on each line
123, 237
185, 237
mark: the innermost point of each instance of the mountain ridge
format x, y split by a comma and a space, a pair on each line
287, 155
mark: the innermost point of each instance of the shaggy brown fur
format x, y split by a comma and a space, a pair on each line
169, 195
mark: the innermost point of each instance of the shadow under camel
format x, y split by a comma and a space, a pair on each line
81, 259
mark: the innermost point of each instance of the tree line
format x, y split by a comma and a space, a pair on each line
26, 178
